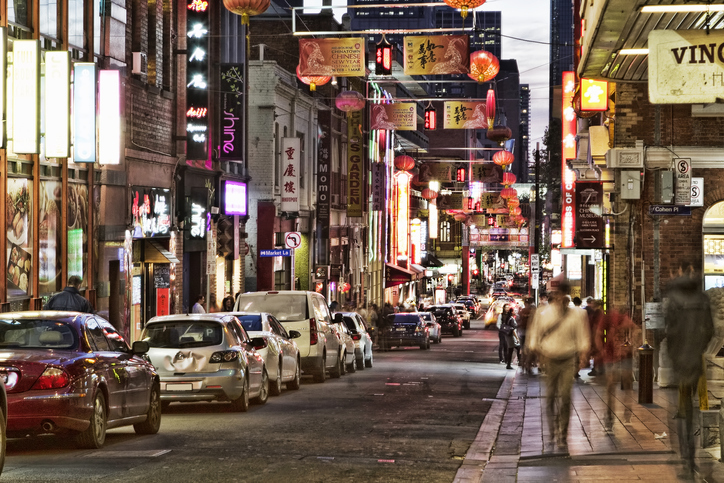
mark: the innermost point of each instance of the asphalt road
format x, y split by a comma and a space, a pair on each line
411, 417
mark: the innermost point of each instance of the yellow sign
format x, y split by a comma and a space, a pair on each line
465, 115
437, 54
332, 57
487, 173
401, 116
355, 165
594, 95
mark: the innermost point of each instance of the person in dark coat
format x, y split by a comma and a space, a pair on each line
689, 328
511, 340
70, 298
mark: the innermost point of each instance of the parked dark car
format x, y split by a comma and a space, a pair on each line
448, 318
469, 304
405, 329
73, 372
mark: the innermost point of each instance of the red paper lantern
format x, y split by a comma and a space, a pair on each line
515, 211
484, 66
313, 80
503, 158
429, 194
508, 193
464, 5
499, 134
246, 8
404, 162
513, 202
490, 108
460, 216
350, 101
508, 178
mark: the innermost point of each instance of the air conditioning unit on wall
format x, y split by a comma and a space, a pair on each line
625, 157
140, 63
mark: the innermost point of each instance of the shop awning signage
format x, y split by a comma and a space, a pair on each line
396, 275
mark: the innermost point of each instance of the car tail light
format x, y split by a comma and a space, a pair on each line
224, 356
356, 336
313, 331
52, 378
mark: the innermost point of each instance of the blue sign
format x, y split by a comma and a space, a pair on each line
275, 253
669, 210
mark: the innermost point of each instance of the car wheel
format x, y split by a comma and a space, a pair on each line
467, 325
275, 389
153, 418
428, 343
456, 332
296, 383
264, 389
95, 435
352, 367
321, 374
370, 361
361, 363
241, 404
439, 339
339, 367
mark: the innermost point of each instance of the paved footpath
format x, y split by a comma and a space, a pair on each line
513, 444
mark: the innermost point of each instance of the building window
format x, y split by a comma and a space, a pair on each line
49, 18
75, 23
19, 12
98, 27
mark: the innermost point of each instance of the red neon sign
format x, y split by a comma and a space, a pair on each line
568, 178
197, 112
403, 214
198, 5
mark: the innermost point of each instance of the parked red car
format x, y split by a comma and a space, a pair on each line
73, 372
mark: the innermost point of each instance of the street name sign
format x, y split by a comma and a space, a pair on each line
275, 253
669, 210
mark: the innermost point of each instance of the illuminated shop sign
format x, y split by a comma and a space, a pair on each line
197, 79
291, 151
57, 104
594, 95
26, 93
568, 177
151, 211
416, 241
568, 116
231, 118
109, 117
84, 113
403, 214
235, 202
197, 211
355, 165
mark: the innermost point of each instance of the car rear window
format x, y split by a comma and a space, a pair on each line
426, 316
406, 319
438, 311
37, 334
252, 323
183, 334
285, 307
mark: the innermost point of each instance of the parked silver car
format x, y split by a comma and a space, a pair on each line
206, 357
280, 354
433, 327
347, 343
361, 337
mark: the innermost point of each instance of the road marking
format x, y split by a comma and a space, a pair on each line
127, 454
385, 461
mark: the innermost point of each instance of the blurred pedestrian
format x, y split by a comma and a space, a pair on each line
525, 317
372, 322
577, 301
511, 338
198, 307
612, 333
689, 328
502, 346
70, 298
559, 334
227, 305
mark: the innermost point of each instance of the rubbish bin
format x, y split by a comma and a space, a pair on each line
646, 374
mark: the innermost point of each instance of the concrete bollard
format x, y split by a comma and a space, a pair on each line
646, 374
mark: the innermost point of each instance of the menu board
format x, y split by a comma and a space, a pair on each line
162, 275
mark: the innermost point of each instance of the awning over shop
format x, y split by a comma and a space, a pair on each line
396, 275
419, 269
155, 253
431, 260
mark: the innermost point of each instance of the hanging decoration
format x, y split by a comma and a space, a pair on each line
513, 202
503, 158
515, 211
499, 134
484, 66
508, 178
430, 118
383, 57
490, 108
464, 5
460, 216
313, 80
508, 193
404, 162
246, 8
350, 101
429, 194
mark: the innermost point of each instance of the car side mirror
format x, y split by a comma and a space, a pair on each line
338, 318
293, 334
140, 347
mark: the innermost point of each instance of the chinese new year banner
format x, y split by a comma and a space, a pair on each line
326, 57
443, 172
437, 54
401, 116
465, 115
487, 173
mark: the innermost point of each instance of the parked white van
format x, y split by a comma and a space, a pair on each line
308, 314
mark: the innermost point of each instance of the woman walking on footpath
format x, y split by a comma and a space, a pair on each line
502, 347
511, 339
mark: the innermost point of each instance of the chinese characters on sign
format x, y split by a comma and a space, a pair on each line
594, 95
378, 186
343, 57
197, 71
290, 158
465, 115
401, 116
151, 210
438, 54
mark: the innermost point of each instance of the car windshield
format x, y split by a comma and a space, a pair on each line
252, 322
183, 334
37, 334
285, 307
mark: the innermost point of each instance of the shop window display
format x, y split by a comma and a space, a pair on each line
18, 220
77, 226
49, 237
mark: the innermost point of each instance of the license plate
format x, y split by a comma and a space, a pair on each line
180, 387
401, 329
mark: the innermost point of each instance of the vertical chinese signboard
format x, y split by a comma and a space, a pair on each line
323, 185
231, 119
355, 187
291, 149
589, 223
568, 149
197, 77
